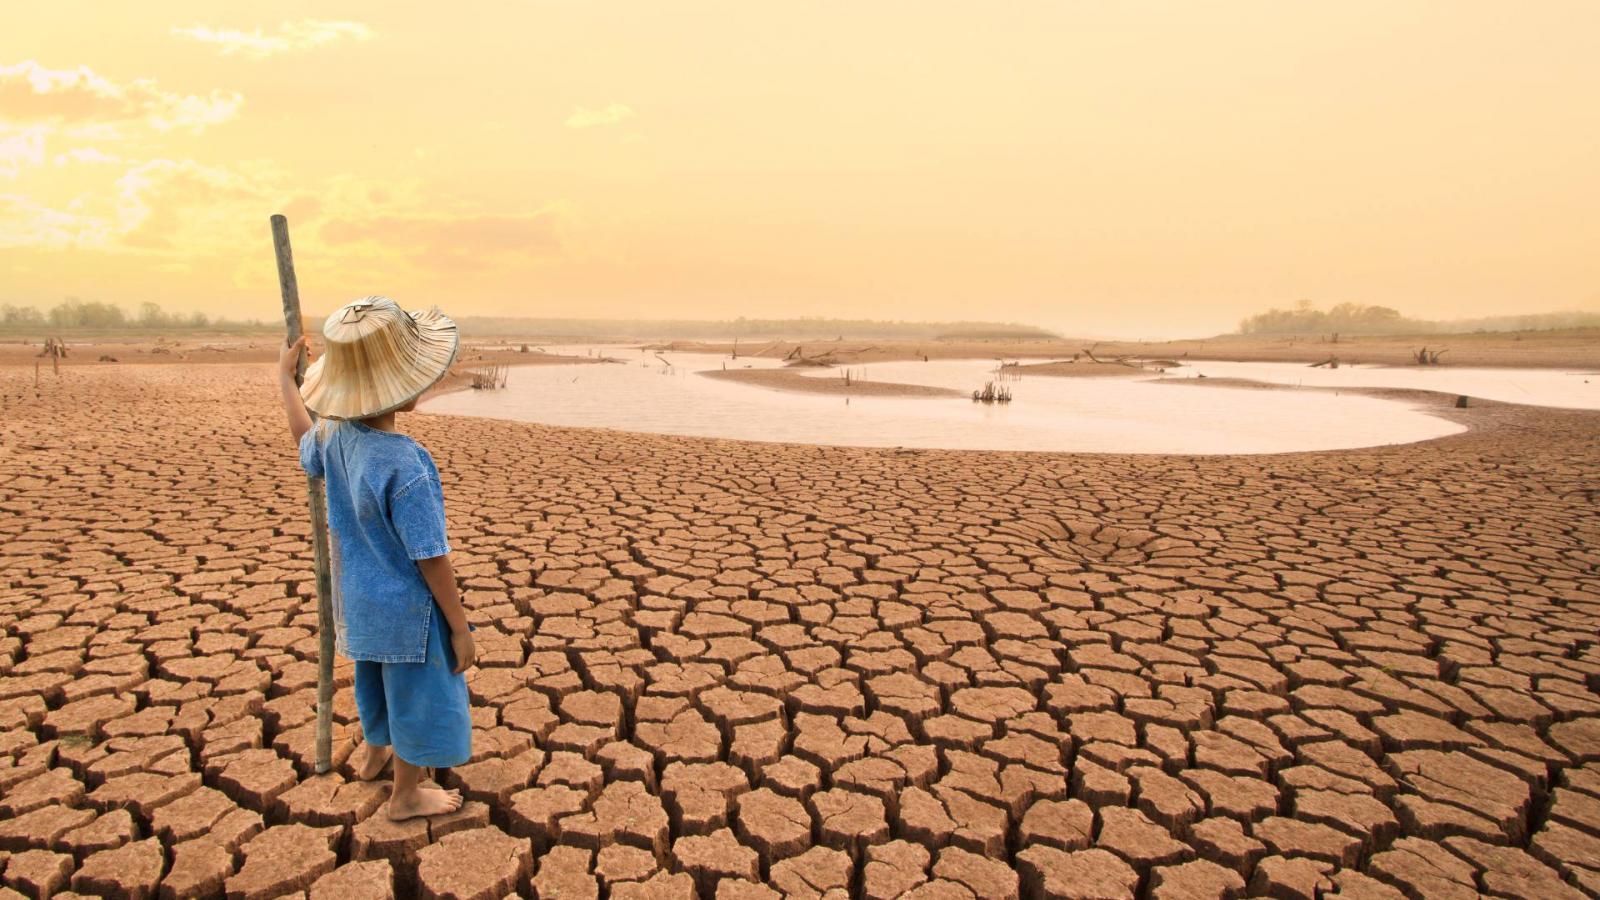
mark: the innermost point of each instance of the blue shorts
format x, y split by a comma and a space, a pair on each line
420, 708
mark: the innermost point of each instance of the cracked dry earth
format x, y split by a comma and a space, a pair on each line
724, 669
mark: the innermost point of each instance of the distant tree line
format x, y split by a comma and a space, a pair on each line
1346, 318
73, 314
1356, 318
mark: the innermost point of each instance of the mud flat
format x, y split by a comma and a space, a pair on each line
707, 664
790, 380
1072, 368
1540, 386
1579, 349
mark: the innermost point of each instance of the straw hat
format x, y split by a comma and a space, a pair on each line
378, 358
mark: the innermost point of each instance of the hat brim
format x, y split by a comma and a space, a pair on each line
362, 381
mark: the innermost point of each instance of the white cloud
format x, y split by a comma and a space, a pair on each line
161, 207
42, 108
84, 155
290, 37
184, 212
20, 147
165, 203
92, 131
187, 111
26, 223
610, 114
32, 92
59, 81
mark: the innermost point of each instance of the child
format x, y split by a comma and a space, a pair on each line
395, 599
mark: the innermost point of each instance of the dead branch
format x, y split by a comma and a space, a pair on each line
1119, 361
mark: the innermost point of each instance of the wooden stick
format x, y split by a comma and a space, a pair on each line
319, 511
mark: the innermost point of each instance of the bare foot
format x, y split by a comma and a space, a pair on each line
373, 762
424, 802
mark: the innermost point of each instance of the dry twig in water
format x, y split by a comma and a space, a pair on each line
488, 378
992, 393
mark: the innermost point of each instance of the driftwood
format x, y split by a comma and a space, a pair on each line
797, 357
1119, 361
55, 348
1331, 362
1426, 357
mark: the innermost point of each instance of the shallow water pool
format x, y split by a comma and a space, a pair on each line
663, 394
1569, 388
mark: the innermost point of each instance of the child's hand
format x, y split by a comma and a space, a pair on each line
289, 357
466, 651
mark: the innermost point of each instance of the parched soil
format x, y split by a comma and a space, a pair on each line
103, 351
789, 380
725, 669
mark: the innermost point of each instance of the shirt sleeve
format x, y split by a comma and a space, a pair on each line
417, 510
311, 453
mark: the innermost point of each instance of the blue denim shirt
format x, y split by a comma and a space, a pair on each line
385, 511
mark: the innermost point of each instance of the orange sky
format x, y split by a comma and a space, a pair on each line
1139, 169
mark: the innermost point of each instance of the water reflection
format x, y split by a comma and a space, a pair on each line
1570, 388
661, 393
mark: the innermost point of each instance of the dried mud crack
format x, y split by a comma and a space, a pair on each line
721, 669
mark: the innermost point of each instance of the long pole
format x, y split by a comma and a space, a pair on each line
319, 511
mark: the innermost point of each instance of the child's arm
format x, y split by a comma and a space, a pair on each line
441, 579
299, 419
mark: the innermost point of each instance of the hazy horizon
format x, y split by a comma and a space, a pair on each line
1151, 171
